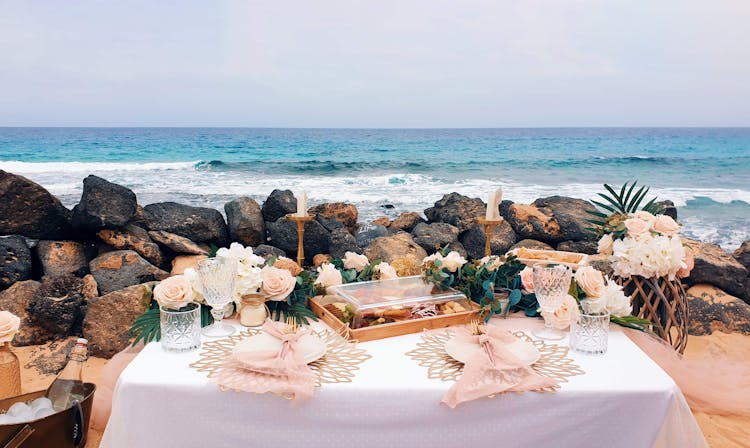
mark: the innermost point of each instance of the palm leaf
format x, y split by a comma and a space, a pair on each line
630, 190
615, 202
604, 206
147, 327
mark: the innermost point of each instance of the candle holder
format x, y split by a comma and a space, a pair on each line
488, 224
300, 220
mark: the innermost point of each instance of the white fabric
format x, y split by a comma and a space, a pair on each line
623, 400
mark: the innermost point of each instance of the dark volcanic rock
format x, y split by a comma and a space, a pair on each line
406, 221
56, 307
279, 204
342, 242
15, 260
347, 214
133, 238
330, 224
30, 210
108, 320
245, 222
367, 236
433, 237
283, 234
668, 208
742, 254
551, 220
16, 299
176, 243
716, 267
103, 204
583, 247
503, 237
62, 257
458, 210
198, 224
711, 309
266, 251
532, 244
400, 245
122, 268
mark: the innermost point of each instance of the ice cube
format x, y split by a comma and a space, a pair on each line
26, 416
18, 408
43, 412
6, 419
40, 403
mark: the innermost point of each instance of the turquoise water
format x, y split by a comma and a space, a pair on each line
705, 171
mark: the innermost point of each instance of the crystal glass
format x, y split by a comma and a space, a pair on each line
181, 330
589, 332
217, 277
551, 285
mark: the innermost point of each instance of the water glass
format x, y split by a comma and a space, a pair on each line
181, 329
502, 297
589, 333
551, 285
217, 279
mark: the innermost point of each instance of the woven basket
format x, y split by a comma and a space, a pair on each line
663, 302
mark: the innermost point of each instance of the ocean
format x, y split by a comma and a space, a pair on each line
705, 171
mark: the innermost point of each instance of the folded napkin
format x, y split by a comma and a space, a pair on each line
282, 372
493, 370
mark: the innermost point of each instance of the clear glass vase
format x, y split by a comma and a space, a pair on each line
181, 329
589, 333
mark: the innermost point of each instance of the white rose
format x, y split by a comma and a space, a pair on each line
328, 275
453, 261
174, 292
241, 254
561, 317
192, 277
386, 271
591, 281
605, 245
666, 225
277, 283
355, 261
437, 256
9, 325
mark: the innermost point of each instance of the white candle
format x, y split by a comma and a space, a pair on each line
302, 204
493, 202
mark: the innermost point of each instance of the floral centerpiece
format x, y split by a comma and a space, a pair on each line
647, 257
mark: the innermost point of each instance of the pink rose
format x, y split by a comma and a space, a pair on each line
174, 292
690, 264
9, 324
591, 281
636, 227
644, 215
564, 313
666, 225
605, 245
328, 275
386, 271
355, 261
527, 279
277, 283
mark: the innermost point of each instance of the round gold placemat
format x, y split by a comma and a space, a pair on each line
430, 352
338, 365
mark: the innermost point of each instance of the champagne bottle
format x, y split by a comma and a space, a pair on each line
68, 386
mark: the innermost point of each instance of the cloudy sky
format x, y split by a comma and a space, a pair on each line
384, 63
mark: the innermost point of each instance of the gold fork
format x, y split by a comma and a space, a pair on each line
291, 325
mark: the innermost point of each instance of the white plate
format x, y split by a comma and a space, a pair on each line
310, 346
461, 351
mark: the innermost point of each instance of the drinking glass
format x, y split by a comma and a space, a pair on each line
181, 330
217, 278
551, 285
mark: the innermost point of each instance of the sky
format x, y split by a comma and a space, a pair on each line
384, 63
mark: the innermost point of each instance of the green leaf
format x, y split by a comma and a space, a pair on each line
604, 206
147, 327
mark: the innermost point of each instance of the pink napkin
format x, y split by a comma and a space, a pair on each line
494, 370
283, 372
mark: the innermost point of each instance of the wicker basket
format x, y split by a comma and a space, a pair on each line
663, 302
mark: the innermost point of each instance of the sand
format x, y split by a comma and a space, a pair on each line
720, 431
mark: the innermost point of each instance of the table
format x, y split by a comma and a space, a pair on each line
623, 400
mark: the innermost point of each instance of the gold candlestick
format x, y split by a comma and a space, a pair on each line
488, 224
300, 220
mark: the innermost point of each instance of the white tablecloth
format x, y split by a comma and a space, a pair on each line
623, 400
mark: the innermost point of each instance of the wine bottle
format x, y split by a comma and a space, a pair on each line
68, 386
